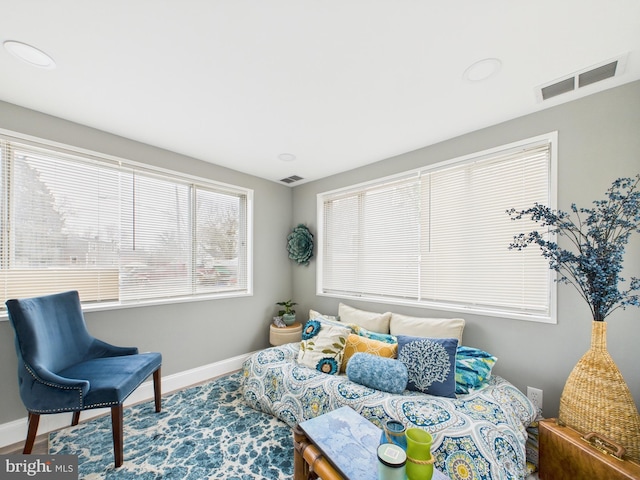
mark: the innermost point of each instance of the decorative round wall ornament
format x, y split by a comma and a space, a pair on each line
300, 245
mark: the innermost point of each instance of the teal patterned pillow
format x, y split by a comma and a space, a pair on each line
473, 368
381, 337
431, 364
322, 346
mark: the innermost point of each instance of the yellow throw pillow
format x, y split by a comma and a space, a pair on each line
356, 343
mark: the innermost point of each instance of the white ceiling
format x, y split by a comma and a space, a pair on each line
337, 83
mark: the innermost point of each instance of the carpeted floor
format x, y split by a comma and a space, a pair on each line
202, 432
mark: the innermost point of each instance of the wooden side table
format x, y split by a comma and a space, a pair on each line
282, 335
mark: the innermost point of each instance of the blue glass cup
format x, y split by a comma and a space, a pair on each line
394, 432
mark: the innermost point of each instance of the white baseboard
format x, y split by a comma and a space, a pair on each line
16, 431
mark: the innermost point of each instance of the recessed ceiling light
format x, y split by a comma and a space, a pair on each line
29, 54
287, 157
482, 70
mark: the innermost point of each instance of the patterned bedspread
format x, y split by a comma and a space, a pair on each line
480, 435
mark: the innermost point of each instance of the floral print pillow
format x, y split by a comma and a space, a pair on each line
322, 346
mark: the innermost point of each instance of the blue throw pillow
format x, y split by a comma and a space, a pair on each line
431, 364
381, 373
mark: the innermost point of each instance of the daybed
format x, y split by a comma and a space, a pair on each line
478, 435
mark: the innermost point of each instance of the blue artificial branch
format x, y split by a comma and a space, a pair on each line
598, 237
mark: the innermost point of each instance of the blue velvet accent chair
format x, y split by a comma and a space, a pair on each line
62, 368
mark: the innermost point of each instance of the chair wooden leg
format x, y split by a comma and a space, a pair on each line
157, 389
76, 418
34, 420
116, 427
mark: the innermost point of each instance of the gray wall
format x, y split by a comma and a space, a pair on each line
192, 334
599, 141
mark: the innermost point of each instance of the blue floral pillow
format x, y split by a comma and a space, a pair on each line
431, 364
322, 346
473, 368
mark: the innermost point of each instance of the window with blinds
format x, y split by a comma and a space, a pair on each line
439, 236
116, 231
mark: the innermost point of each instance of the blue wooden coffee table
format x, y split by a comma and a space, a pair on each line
339, 445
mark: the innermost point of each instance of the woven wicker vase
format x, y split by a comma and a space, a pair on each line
597, 399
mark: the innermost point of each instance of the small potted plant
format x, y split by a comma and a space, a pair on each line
287, 312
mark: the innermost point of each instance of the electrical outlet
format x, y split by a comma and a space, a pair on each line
535, 395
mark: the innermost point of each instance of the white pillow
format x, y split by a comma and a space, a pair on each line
375, 322
427, 327
313, 314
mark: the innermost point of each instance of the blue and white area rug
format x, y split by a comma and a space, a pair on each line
203, 432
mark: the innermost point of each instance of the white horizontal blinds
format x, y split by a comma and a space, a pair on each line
340, 247
530, 277
441, 236
115, 233
468, 261
61, 227
372, 240
219, 239
155, 256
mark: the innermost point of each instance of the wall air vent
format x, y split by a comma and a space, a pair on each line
588, 76
291, 179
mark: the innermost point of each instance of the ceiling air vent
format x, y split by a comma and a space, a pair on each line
588, 76
597, 74
291, 179
558, 88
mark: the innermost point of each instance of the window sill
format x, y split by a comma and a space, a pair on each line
470, 310
106, 306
